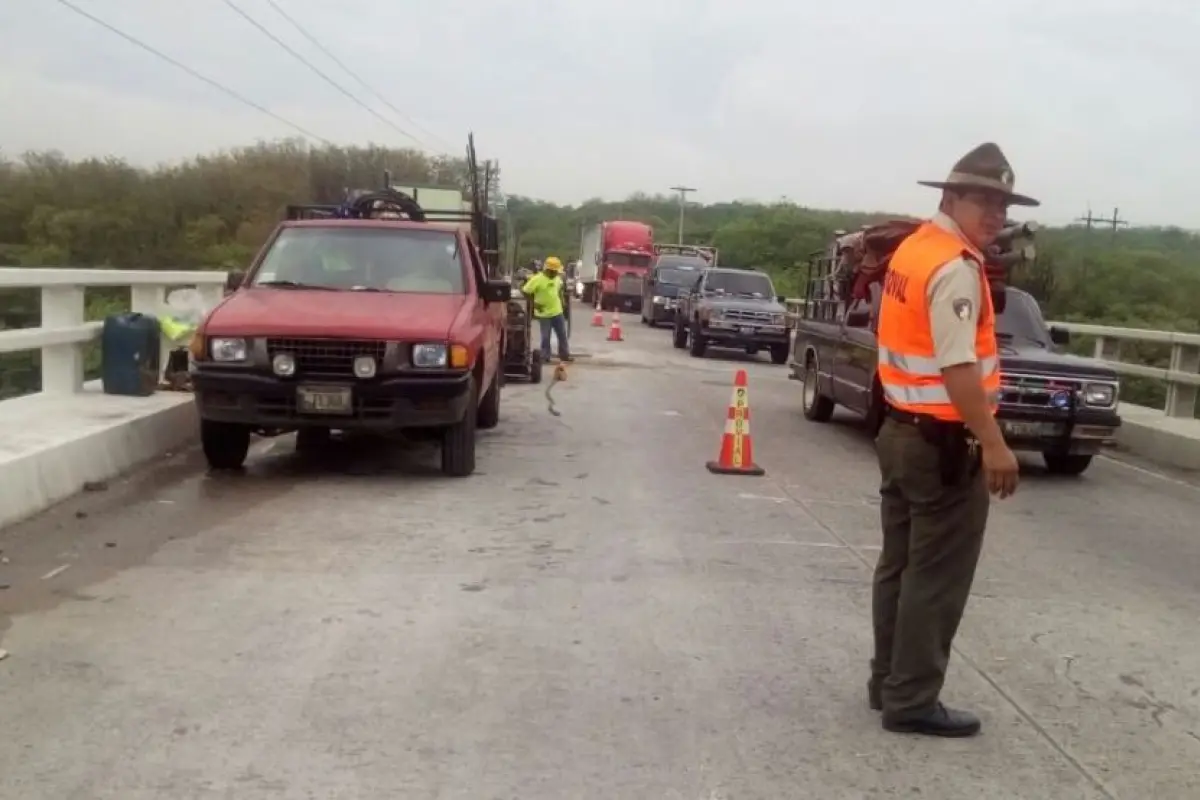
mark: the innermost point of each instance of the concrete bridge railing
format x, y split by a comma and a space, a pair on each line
64, 330
54, 442
1181, 375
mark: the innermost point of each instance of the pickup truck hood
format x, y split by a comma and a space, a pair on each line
744, 303
1017, 356
319, 314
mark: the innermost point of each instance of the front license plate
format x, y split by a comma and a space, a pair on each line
324, 400
1030, 428
747, 330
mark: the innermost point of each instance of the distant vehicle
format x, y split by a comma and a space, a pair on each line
735, 308
614, 260
1060, 405
671, 276
375, 315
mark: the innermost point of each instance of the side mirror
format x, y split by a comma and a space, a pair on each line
780, 299
496, 291
233, 281
1060, 336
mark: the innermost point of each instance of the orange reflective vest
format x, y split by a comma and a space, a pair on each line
908, 368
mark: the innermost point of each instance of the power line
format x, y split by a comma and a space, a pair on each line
179, 65
319, 73
316, 43
1114, 221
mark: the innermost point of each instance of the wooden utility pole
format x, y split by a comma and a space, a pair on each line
1114, 222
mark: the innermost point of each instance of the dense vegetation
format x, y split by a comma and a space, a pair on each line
213, 212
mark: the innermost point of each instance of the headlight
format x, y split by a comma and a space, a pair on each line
778, 319
284, 365
1099, 394
227, 349
658, 300
364, 367
429, 355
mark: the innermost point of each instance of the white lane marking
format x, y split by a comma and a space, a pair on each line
794, 543
1149, 472
56, 571
670, 413
747, 496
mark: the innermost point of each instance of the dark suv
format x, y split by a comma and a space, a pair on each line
670, 277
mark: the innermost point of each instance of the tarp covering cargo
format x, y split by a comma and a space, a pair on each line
861, 258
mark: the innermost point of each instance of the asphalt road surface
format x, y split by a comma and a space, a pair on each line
592, 615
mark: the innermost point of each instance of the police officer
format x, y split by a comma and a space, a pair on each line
940, 450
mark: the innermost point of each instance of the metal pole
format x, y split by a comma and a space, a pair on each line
683, 192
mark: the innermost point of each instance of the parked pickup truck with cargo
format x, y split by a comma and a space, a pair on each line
370, 316
735, 308
1060, 405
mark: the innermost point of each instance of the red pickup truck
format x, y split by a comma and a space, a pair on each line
359, 323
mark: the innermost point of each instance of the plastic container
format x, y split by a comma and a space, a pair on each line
130, 355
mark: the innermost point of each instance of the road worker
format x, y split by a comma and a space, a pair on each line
546, 289
940, 449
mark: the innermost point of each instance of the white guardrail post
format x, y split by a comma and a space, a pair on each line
64, 332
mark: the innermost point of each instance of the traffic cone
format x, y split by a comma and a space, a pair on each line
597, 318
737, 452
614, 332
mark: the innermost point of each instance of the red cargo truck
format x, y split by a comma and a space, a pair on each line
614, 261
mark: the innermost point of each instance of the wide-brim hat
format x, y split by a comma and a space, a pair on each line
984, 168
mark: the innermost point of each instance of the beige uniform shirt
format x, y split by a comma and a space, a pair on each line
955, 301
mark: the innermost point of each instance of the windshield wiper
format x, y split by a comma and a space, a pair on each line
1008, 337
291, 285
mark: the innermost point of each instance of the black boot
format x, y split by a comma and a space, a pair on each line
938, 721
874, 696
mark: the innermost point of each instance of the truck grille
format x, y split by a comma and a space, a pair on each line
629, 284
1034, 391
741, 315
326, 358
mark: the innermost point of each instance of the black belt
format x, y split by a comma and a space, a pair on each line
923, 420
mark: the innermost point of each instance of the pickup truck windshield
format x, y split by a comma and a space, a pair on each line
627, 259
1022, 319
364, 259
677, 277
740, 283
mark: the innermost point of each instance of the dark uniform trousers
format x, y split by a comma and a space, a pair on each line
932, 538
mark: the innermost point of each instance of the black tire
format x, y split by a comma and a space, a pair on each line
697, 345
489, 409
535, 367
225, 444
679, 336
309, 439
817, 407
779, 353
458, 440
1071, 464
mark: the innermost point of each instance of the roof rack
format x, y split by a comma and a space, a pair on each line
390, 203
705, 252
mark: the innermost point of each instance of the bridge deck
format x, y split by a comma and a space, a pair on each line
592, 615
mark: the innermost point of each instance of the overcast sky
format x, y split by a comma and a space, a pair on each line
841, 104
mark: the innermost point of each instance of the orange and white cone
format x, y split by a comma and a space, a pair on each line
597, 318
614, 331
737, 451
